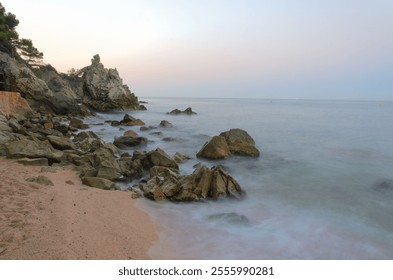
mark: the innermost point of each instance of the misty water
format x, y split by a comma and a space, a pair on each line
321, 189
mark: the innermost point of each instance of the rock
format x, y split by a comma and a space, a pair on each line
231, 218
34, 162
115, 123
33, 148
61, 143
128, 141
159, 158
216, 148
104, 89
38, 95
168, 139
106, 164
41, 180
152, 190
77, 123
187, 111
146, 128
48, 125
136, 122
88, 141
179, 158
240, 142
12, 104
165, 123
165, 172
99, 183
130, 168
130, 133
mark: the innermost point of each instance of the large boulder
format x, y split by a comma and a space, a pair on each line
123, 142
33, 148
61, 143
240, 142
235, 141
216, 148
104, 89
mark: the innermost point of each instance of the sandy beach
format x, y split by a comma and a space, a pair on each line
67, 220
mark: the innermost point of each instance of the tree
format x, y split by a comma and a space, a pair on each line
8, 34
28, 52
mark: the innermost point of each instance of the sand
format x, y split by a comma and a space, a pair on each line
67, 220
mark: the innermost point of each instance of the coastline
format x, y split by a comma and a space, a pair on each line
67, 220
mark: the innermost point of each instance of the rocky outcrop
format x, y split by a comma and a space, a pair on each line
187, 111
12, 104
20, 78
235, 141
104, 89
203, 183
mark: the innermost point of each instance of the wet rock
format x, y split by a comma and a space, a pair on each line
179, 158
146, 128
128, 141
115, 123
187, 111
77, 123
231, 218
240, 142
165, 123
130, 133
216, 148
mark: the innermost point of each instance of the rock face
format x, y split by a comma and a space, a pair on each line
203, 183
235, 141
104, 89
12, 104
20, 78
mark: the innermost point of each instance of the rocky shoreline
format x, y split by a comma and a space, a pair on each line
41, 125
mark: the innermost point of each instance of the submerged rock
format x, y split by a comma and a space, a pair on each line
165, 123
230, 218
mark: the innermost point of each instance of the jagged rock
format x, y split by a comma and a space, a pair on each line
22, 79
99, 183
187, 111
32, 148
203, 183
106, 164
128, 141
216, 148
61, 143
88, 141
165, 123
130, 168
159, 158
179, 158
104, 89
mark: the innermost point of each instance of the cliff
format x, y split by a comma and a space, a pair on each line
47, 91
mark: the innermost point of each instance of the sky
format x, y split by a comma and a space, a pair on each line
307, 49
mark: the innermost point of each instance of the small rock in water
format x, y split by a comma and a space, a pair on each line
230, 218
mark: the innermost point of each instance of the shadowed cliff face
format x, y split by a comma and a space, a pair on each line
48, 91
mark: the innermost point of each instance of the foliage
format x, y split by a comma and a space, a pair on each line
10, 42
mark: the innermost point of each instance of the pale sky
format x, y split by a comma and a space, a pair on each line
312, 49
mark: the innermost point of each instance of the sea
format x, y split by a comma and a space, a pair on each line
322, 187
